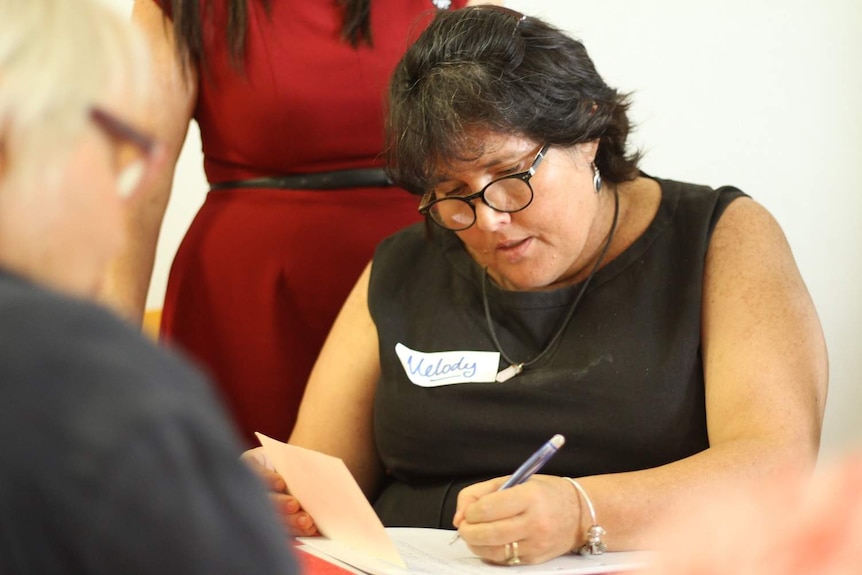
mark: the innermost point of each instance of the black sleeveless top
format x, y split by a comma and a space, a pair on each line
625, 386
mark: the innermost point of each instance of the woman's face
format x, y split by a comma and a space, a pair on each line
541, 246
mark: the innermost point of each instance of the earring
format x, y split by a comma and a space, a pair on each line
597, 178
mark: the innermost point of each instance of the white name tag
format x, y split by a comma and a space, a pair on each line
448, 367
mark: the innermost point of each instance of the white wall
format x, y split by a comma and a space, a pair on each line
765, 95
762, 94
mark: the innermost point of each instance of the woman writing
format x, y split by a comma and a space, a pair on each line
662, 327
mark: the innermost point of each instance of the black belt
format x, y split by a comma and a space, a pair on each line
338, 179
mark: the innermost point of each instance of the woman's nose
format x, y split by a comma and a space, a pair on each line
487, 218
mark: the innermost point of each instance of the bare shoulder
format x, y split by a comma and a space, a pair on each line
745, 212
148, 15
749, 264
749, 242
175, 85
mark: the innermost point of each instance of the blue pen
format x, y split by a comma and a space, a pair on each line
533, 464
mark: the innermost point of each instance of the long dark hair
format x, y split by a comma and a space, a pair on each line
491, 68
188, 26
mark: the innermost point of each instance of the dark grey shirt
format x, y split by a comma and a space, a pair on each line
116, 457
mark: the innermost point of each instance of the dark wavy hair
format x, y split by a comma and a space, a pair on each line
491, 68
188, 28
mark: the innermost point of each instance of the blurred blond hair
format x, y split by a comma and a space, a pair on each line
58, 58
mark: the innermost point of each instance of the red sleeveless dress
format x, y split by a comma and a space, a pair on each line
261, 273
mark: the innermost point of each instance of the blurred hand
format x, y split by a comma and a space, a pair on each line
791, 526
297, 521
542, 515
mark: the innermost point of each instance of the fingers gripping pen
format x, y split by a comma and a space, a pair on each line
531, 466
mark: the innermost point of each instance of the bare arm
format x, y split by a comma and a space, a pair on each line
168, 117
336, 412
766, 377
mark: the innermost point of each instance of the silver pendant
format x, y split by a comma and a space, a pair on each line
442, 4
509, 372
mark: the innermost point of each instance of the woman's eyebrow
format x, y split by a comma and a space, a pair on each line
494, 163
508, 159
447, 177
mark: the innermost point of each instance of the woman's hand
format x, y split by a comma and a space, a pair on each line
543, 515
298, 522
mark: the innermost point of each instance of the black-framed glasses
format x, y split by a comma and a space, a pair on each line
508, 194
134, 152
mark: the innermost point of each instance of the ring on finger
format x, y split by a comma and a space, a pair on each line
512, 557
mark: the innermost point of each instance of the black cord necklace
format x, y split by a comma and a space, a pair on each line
517, 367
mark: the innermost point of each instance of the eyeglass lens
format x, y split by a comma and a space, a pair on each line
506, 195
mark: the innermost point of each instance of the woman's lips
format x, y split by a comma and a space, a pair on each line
513, 249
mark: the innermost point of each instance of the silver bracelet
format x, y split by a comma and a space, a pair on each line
594, 544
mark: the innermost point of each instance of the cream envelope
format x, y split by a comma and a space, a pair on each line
330, 494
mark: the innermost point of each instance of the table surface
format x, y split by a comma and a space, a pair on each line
313, 565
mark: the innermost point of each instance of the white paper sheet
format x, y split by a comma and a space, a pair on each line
427, 552
330, 494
